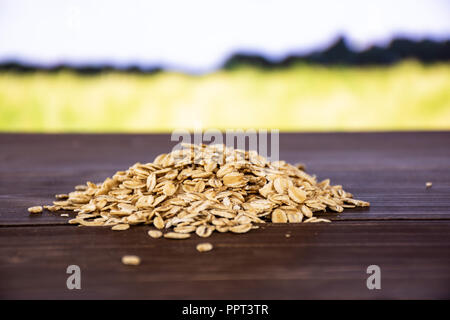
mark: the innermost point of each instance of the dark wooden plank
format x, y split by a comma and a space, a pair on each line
318, 261
35, 167
387, 169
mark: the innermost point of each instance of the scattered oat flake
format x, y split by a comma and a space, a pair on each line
158, 222
322, 220
203, 247
36, 209
278, 216
204, 231
64, 215
131, 260
155, 234
120, 227
176, 235
428, 184
243, 228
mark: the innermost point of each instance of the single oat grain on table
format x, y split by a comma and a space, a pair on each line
203, 247
35, 209
155, 234
204, 189
131, 260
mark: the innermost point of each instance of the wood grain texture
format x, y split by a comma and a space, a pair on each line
316, 261
406, 230
387, 169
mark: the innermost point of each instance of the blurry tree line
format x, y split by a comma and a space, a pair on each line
339, 53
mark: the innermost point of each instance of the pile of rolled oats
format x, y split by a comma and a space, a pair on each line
202, 189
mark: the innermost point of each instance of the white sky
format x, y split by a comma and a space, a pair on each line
199, 34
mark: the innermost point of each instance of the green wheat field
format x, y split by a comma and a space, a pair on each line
407, 96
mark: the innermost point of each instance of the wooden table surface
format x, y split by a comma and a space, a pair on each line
406, 231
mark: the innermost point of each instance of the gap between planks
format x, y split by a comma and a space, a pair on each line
347, 220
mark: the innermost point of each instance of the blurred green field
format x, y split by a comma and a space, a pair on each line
408, 96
